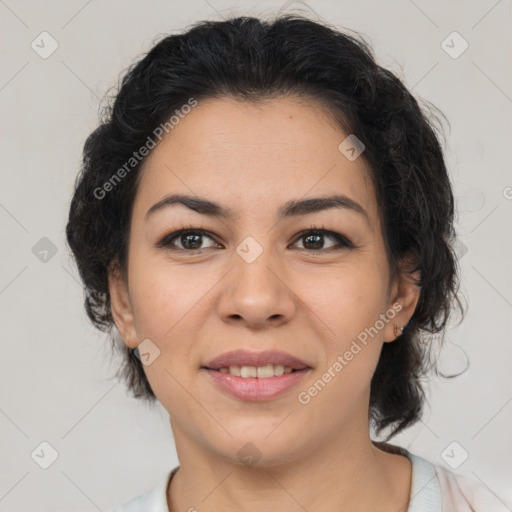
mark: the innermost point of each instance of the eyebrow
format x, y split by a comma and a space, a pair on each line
293, 208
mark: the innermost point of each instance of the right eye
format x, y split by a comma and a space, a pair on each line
190, 239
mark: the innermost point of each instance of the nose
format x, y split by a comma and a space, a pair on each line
257, 294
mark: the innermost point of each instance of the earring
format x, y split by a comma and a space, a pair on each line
398, 330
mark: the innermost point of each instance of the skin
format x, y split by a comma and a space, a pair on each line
196, 305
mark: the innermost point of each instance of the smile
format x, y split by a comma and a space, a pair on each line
252, 387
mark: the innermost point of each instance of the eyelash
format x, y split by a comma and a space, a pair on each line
343, 242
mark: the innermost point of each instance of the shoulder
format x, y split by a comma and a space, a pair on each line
137, 504
434, 488
153, 501
458, 489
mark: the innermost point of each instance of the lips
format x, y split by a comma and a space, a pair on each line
247, 358
255, 389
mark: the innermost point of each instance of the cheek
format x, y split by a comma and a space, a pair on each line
170, 306
348, 298
349, 301
166, 303
163, 296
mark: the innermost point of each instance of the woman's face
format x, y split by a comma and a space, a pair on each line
254, 283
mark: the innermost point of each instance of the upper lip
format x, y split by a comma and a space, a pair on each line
246, 358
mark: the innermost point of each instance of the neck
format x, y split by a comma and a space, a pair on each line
349, 473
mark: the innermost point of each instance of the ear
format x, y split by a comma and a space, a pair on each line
121, 306
404, 296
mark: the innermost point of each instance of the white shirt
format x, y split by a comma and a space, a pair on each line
433, 489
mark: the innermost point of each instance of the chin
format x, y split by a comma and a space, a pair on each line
259, 449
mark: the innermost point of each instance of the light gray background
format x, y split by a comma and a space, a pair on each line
56, 370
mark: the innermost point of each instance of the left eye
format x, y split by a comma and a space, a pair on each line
315, 237
191, 240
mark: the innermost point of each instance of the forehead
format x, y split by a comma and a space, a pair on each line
240, 154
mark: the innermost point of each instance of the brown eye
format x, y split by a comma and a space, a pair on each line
190, 240
314, 240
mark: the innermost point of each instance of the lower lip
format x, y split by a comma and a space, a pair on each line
255, 389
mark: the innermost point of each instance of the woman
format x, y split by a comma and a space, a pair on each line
266, 217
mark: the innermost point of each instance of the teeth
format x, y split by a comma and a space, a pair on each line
264, 372
260, 372
248, 371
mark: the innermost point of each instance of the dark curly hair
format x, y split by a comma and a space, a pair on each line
252, 60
